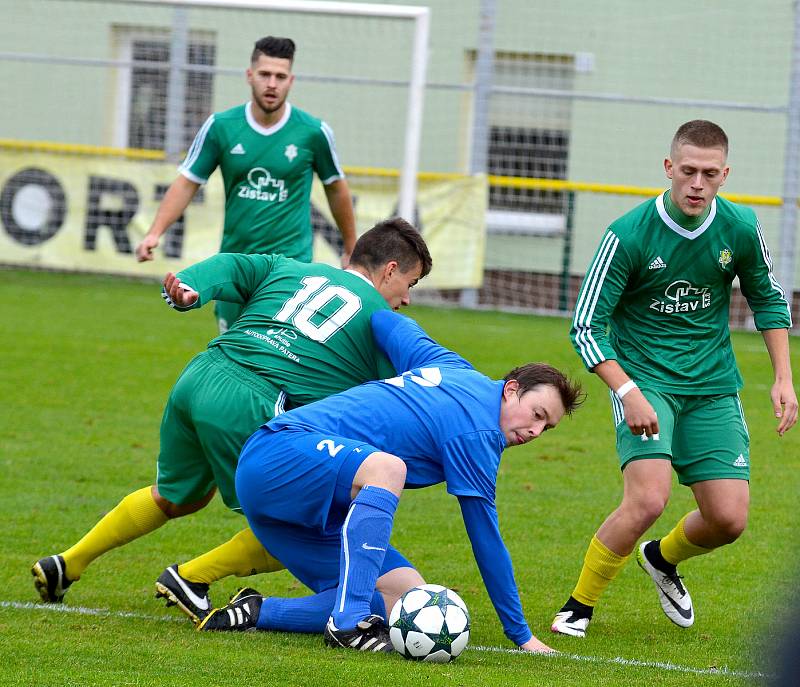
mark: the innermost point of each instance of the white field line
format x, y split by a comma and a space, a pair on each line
618, 660
102, 612
83, 610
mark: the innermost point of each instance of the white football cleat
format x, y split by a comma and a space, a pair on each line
571, 622
672, 594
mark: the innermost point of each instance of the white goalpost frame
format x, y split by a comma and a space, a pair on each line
419, 62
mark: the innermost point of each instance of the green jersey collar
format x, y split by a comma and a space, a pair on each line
358, 274
677, 228
266, 130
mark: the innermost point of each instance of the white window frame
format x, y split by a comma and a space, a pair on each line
125, 37
506, 221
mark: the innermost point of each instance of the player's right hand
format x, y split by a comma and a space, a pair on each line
639, 414
144, 251
179, 293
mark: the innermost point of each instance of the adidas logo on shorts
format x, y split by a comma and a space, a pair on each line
740, 462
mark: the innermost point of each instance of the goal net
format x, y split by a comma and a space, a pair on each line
582, 105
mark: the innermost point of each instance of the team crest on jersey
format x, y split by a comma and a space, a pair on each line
290, 152
725, 257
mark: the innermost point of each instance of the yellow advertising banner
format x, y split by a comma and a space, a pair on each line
88, 213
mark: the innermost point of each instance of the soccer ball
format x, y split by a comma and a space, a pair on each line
429, 623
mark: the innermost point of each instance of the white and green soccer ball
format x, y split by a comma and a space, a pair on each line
429, 623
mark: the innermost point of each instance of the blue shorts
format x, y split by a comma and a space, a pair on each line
311, 556
294, 487
299, 476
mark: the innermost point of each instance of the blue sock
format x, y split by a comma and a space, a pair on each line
378, 606
365, 538
306, 614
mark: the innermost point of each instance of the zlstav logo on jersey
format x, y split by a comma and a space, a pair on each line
263, 186
680, 296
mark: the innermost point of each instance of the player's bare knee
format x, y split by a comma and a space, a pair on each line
652, 510
645, 511
178, 510
381, 470
395, 472
729, 526
171, 510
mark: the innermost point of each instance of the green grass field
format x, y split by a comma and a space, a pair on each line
87, 363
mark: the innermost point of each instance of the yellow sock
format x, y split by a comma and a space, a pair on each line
600, 566
242, 555
136, 515
675, 547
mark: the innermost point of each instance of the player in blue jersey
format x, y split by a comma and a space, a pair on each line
319, 486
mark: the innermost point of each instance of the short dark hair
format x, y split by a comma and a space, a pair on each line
536, 374
700, 133
392, 239
272, 46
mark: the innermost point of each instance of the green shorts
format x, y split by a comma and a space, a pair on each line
705, 437
227, 314
212, 410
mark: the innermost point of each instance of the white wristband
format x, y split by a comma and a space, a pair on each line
626, 387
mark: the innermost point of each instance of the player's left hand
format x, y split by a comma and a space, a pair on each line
784, 402
535, 646
345, 260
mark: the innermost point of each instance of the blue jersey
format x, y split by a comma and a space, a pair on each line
442, 417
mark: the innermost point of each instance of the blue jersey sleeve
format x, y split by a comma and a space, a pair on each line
494, 562
470, 463
408, 346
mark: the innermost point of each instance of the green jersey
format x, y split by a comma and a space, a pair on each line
305, 327
656, 297
267, 173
